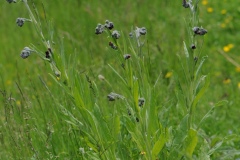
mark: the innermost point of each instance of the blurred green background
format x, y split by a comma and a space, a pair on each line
74, 24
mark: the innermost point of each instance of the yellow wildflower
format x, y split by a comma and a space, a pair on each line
237, 69
8, 82
18, 103
209, 9
230, 46
239, 85
224, 11
226, 49
205, 2
168, 75
223, 25
226, 81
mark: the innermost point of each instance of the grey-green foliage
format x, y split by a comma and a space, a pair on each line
75, 120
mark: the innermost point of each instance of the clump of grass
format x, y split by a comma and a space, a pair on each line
130, 116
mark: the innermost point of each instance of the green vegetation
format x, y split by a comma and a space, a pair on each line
75, 94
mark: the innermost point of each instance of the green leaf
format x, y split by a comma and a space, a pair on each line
214, 148
123, 80
158, 145
136, 95
201, 92
185, 50
203, 151
136, 135
221, 103
200, 65
116, 128
181, 131
209, 113
191, 142
231, 137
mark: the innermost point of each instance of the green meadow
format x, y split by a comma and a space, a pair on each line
168, 88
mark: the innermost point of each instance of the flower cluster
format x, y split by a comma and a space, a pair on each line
115, 34
138, 32
111, 44
188, 4
126, 56
193, 46
11, 1
141, 102
20, 21
113, 96
185, 4
26, 52
100, 27
199, 31
108, 26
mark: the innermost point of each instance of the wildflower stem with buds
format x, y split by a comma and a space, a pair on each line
46, 43
193, 65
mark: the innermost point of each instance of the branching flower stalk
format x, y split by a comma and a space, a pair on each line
38, 28
50, 56
193, 59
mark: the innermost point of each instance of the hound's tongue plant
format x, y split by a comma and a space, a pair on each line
126, 113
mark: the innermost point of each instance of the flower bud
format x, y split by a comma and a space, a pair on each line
199, 31
193, 46
99, 29
142, 31
115, 34
20, 21
109, 25
101, 77
112, 45
131, 35
141, 102
10, 1
185, 4
25, 52
113, 96
126, 56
